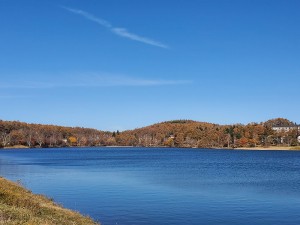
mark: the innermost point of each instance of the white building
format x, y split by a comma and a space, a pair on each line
286, 128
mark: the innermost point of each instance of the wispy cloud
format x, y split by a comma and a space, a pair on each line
122, 32
90, 81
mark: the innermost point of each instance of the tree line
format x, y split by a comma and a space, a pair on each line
37, 135
176, 133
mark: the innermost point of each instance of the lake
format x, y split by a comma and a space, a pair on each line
143, 186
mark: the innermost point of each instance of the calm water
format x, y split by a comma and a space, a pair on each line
136, 186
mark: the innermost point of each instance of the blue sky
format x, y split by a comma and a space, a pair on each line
124, 64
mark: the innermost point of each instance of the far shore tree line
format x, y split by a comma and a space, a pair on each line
176, 133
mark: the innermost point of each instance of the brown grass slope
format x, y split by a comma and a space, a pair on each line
19, 206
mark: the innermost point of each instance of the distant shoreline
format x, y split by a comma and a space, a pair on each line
174, 133
16, 147
270, 148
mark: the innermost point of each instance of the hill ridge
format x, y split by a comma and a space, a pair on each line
173, 133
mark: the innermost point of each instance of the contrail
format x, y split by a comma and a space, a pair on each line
122, 32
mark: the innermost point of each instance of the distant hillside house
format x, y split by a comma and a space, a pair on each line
286, 128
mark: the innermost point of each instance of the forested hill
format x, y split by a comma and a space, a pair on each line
39, 135
176, 133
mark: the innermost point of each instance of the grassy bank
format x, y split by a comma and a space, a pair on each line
16, 146
20, 206
277, 148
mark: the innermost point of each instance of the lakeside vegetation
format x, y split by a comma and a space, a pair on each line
176, 133
20, 206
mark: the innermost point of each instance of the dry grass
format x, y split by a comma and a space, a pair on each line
278, 148
20, 206
16, 146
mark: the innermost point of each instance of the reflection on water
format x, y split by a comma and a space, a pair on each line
136, 186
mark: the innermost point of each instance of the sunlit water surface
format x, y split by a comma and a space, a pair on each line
139, 186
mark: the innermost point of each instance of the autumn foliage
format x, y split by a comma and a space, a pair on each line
176, 133
37, 135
